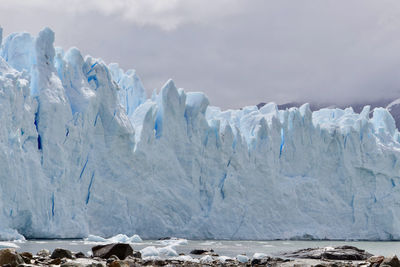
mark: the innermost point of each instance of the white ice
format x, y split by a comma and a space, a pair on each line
83, 151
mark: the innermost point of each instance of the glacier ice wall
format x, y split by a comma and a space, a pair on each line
82, 150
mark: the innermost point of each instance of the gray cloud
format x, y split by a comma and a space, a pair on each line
237, 52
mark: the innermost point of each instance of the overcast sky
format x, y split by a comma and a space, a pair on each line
239, 52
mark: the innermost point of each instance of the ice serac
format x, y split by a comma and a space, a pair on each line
131, 90
82, 151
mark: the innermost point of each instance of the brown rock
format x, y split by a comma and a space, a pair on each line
11, 257
120, 250
391, 261
375, 259
26, 255
56, 261
71, 264
119, 263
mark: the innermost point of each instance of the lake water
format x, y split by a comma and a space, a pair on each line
225, 248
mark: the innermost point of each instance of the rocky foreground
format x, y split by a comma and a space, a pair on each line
122, 255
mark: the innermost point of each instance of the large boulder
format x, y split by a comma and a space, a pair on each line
391, 262
10, 257
349, 253
120, 250
60, 253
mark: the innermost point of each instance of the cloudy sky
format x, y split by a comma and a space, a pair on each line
239, 52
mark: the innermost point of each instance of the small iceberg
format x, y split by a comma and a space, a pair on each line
8, 245
152, 251
120, 238
173, 241
242, 258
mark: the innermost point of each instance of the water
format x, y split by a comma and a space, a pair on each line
226, 248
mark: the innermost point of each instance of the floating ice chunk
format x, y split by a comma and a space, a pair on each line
149, 251
95, 238
167, 251
242, 258
135, 239
8, 245
120, 238
174, 242
223, 259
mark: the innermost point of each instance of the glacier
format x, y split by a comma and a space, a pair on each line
84, 151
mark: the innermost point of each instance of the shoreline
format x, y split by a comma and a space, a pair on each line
120, 254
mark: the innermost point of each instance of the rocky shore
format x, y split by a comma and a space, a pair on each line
123, 255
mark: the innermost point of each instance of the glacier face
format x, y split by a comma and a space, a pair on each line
83, 151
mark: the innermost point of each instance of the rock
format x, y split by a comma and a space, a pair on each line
112, 258
71, 264
165, 238
80, 255
262, 261
375, 260
198, 251
137, 254
159, 262
120, 250
339, 253
124, 263
95, 264
11, 257
391, 261
27, 257
43, 253
56, 261
61, 253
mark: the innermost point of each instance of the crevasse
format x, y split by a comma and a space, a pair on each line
83, 151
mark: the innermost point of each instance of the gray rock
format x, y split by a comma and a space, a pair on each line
71, 264
60, 253
349, 253
198, 251
80, 255
43, 253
